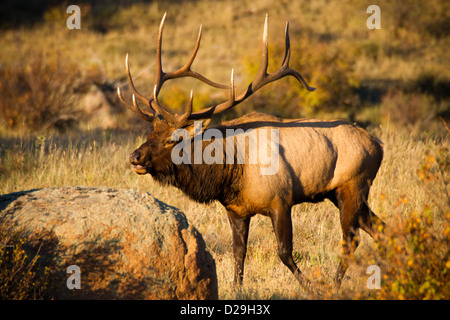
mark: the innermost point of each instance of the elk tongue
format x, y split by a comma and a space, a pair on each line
140, 169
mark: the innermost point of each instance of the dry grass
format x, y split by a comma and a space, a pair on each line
405, 65
409, 181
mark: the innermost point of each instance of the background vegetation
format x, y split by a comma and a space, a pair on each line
395, 82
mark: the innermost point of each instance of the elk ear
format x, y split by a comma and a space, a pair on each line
190, 130
197, 127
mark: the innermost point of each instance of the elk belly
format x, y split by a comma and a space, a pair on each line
255, 147
269, 163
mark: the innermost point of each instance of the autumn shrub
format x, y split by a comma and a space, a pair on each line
24, 264
413, 111
37, 91
414, 249
430, 18
417, 258
434, 172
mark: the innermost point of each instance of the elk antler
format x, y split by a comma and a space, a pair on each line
160, 78
262, 78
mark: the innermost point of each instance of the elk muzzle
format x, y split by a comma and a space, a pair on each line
135, 160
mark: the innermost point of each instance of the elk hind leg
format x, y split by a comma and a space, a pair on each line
369, 222
350, 204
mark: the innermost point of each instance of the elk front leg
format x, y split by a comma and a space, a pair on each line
240, 226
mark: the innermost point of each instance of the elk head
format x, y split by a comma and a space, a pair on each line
153, 156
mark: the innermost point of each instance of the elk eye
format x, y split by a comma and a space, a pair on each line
169, 143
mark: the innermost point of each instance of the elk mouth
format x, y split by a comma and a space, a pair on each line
140, 169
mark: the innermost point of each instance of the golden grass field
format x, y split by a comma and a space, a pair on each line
410, 180
410, 193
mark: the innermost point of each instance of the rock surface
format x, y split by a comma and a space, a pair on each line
127, 244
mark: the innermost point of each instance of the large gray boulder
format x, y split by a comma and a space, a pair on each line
126, 244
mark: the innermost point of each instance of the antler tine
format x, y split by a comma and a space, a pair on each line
287, 53
182, 120
262, 72
190, 106
188, 65
232, 100
186, 71
131, 84
285, 66
119, 94
208, 112
159, 72
169, 117
262, 77
144, 115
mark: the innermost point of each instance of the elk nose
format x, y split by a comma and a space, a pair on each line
135, 157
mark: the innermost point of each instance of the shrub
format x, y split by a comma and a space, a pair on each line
24, 273
412, 111
38, 92
417, 258
414, 249
434, 172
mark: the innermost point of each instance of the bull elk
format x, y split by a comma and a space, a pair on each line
317, 160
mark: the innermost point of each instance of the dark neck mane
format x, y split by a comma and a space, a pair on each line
203, 182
